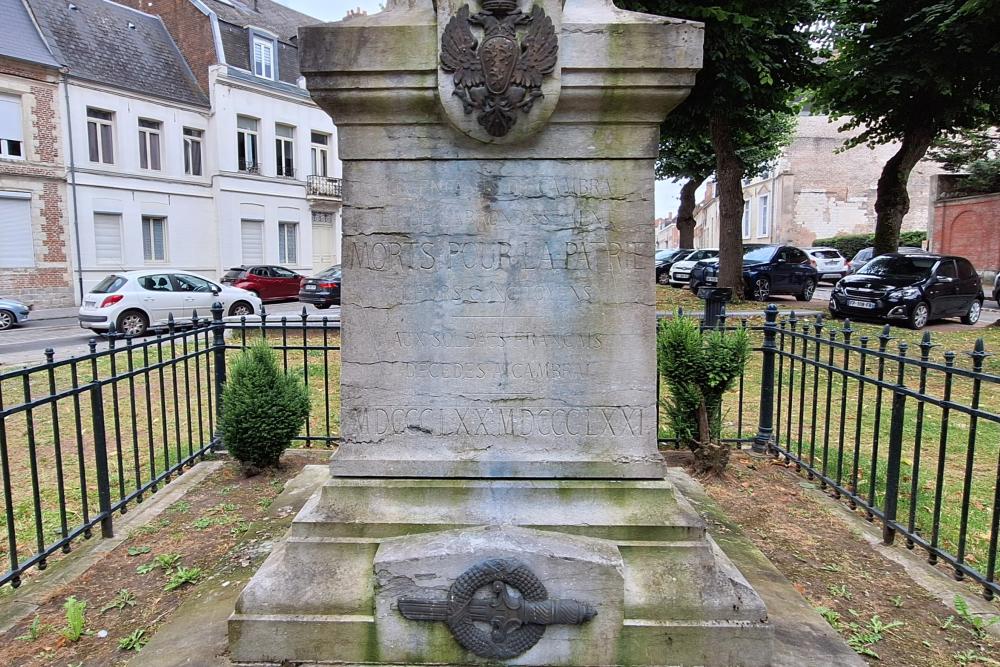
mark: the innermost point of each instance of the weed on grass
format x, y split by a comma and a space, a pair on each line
970, 657
76, 618
839, 591
978, 624
124, 598
181, 507
897, 601
864, 637
830, 616
160, 562
181, 576
134, 641
138, 551
34, 630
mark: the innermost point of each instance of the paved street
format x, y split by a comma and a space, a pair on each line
27, 344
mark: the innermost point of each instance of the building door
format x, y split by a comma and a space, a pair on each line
323, 239
252, 238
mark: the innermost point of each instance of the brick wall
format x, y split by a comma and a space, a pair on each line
42, 174
190, 29
969, 227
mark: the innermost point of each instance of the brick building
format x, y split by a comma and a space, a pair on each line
34, 240
817, 191
667, 234
966, 224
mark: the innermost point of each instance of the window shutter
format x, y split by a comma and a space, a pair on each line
252, 233
108, 238
16, 246
10, 118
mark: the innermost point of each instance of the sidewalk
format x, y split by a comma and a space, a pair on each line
53, 313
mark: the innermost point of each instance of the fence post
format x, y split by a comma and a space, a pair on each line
219, 352
765, 422
101, 461
895, 453
715, 305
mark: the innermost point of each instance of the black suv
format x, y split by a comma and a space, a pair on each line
323, 289
767, 270
911, 287
665, 259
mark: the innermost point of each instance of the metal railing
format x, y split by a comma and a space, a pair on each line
324, 186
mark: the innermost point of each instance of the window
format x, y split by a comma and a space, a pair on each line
11, 138
320, 153
287, 242
280, 272
764, 216
192, 151
246, 144
149, 144
99, 135
947, 269
16, 247
108, 238
252, 239
746, 219
157, 283
154, 238
186, 283
284, 149
263, 57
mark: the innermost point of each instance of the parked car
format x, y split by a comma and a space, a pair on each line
865, 254
828, 262
270, 283
323, 289
996, 288
12, 312
665, 259
137, 300
911, 287
680, 271
767, 270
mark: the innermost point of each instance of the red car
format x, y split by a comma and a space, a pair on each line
270, 283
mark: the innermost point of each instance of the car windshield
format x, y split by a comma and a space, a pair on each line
825, 254
899, 266
233, 274
758, 254
332, 272
670, 255
109, 285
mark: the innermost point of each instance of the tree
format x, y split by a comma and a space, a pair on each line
685, 154
910, 71
758, 57
975, 154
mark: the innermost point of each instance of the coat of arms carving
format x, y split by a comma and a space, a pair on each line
499, 76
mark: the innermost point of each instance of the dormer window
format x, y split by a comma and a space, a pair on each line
263, 57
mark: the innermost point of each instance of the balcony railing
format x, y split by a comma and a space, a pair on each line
324, 186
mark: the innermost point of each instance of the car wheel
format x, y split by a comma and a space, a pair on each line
808, 289
760, 288
663, 278
919, 316
132, 323
241, 309
7, 319
975, 310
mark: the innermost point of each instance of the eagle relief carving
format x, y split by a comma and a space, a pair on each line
500, 76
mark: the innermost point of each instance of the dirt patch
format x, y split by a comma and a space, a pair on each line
870, 600
213, 532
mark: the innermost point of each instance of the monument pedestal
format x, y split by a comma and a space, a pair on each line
635, 550
498, 495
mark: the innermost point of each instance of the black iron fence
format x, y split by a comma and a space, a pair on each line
912, 440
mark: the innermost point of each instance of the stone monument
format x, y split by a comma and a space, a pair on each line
499, 495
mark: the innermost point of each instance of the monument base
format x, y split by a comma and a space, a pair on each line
635, 551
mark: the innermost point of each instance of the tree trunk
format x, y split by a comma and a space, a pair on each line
685, 212
710, 456
729, 175
892, 202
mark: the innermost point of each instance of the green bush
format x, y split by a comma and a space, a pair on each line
849, 245
262, 408
699, 368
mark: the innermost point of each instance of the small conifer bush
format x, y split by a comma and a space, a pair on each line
262, 408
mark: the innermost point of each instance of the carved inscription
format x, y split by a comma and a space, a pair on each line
374, 422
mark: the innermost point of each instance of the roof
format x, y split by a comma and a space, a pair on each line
118, 46
22, 39
272, 16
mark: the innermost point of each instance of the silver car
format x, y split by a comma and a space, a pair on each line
12, 312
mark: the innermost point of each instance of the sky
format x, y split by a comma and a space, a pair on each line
666, 192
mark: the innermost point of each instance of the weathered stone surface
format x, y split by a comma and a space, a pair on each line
570, 568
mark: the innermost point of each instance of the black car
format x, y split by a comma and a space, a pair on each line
665, 259
911, 287
323, 289
767, 270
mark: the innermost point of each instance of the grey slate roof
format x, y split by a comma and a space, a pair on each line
21, 38
112, 44
279, 19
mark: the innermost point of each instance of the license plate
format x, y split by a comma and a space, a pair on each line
868, 305
310, 288
711, 280
831, 275
89, 304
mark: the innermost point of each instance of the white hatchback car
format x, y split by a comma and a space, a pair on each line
137, 300
680, 272
828, 262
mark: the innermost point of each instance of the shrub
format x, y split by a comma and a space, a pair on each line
849, 245
699, 368
262, 408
